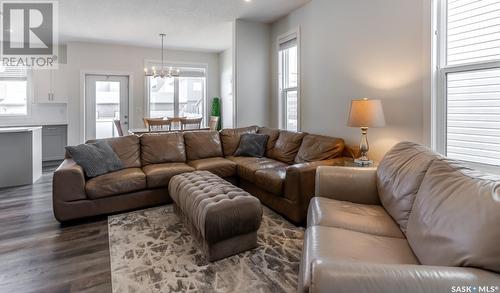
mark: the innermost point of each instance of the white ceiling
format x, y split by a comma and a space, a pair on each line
189, 24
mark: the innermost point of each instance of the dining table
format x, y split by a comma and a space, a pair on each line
141, 131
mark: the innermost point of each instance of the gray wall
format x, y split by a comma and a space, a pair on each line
354, 49
252, 73
97, 58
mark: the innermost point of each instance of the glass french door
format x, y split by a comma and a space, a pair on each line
106, 100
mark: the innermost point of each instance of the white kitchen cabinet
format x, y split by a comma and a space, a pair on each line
50, 86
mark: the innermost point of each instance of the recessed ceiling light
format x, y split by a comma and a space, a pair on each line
248, 1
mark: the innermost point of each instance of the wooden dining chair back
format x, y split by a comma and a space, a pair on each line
213, 124
176, 122
118, 126
190, 123
159, 125
147, 120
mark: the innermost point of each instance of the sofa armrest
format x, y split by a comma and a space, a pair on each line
386, 278
299, 182
68, 182
353, 184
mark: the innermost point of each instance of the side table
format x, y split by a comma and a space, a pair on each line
349, 162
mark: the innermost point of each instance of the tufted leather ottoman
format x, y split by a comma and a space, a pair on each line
222, 217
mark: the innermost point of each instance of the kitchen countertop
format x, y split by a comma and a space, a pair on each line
18, 129
54, 124
33, 124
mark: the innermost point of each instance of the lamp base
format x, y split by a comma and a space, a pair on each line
363, 149
363, 162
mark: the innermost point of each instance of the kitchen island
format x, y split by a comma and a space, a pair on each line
20, 155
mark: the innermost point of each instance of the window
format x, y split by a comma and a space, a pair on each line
468, 110
161, 97
288, 56
182, 96
13, 91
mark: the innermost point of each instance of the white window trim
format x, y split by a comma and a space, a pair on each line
280, 94
29, 99
438, 86
206, 107
437, 109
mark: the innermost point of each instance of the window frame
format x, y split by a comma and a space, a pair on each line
439, 86
29, 99
157, 63
281, 92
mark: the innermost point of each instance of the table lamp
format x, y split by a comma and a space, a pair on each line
365, 113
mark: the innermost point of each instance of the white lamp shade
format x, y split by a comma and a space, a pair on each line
366, 113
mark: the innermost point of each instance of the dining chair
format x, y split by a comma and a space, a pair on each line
213, 124
118, 126
176, 122
147, 120
190, 123
159, 125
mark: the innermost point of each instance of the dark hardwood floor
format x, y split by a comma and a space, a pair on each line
37, 254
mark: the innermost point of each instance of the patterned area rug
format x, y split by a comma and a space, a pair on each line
152, 251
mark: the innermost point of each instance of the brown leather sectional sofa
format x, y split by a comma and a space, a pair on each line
283, 179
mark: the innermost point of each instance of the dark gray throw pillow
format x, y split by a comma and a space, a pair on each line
95, 158
252, 145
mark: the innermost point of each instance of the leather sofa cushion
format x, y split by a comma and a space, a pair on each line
159, 175
271, 180
247, 166
371, 219
230, 138
273, 137
318, 148
202, 145
119, 182
218, 166
127, 148
162, 148
340, 245
399, 176
456, 216
349, 277
287, 146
